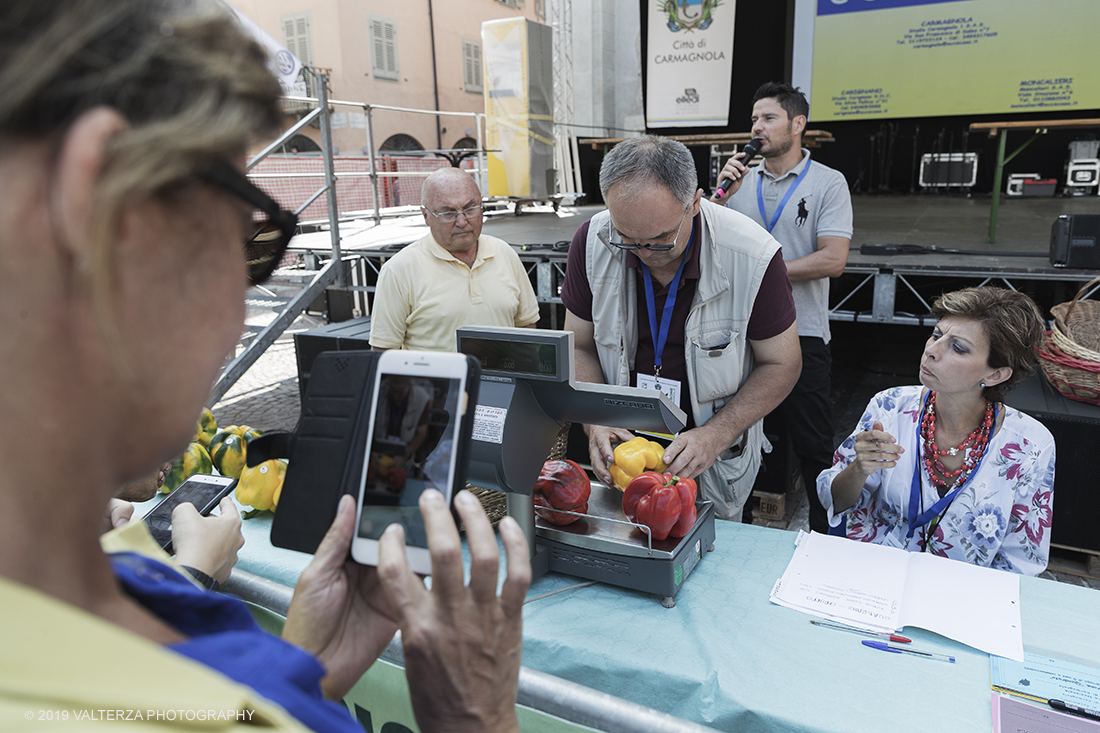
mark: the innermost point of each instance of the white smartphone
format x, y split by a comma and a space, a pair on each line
203, 490
412, 445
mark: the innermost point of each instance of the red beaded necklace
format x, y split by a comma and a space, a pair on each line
973, 448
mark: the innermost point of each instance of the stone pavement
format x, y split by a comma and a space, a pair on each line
266, 396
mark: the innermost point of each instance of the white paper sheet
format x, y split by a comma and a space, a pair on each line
977, 606
884, 589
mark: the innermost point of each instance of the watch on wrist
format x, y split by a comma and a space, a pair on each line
203, 579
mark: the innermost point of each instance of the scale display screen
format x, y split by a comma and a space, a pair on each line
521, 358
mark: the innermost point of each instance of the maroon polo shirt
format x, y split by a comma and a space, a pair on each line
772, 312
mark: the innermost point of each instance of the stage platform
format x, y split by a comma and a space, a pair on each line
874, 288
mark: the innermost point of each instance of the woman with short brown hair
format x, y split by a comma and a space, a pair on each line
946, 467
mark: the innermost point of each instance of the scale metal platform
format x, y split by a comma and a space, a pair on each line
603, 545
528, 391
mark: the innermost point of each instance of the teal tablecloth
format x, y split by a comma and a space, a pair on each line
728, 658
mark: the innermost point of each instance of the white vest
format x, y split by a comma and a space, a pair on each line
733, 257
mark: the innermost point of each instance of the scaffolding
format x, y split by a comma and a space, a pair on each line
566, 153
332, 276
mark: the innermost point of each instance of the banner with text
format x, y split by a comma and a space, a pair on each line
689, 63
917, 58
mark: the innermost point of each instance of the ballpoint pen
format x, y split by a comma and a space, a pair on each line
862, 632
1074, 710
884, 646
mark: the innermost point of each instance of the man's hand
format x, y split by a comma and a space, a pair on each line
207, 544
694, 451
462, 643
339, 612
145, 488
735, 170
600, 448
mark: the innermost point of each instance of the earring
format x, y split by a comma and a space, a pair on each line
983, 385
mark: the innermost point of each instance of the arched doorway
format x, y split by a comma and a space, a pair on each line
400, 141
300, 144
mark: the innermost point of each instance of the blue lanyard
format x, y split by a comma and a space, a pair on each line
915, 489
783, 203
660, 336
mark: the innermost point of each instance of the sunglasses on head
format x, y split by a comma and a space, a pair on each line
274, 225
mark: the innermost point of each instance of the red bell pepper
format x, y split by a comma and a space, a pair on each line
687, 490
562, 485
662, 502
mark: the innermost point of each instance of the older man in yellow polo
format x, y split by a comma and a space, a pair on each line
455, 276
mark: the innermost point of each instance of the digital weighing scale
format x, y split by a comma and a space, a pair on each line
528, 391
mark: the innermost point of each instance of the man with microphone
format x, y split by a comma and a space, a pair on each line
666, 291
808, 209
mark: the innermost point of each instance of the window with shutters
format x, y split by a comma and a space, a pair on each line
383, 47
471, 65
297, 41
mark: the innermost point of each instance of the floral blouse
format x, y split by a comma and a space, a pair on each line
1001, 519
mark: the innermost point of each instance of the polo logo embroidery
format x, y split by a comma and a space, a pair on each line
803, 212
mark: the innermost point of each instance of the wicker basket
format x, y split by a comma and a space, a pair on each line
1076, 328
495, 502
1070, 352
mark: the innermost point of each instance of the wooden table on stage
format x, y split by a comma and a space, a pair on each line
810, 138
1038, 128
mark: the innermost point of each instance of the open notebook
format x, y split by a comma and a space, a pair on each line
883, 588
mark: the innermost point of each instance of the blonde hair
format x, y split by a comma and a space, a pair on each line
1012, 323
190, 84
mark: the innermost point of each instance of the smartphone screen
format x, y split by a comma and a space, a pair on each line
411, 447
202, 490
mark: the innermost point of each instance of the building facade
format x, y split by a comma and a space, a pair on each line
383, 53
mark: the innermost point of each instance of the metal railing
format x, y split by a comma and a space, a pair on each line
332, 275
376, 175
538, 690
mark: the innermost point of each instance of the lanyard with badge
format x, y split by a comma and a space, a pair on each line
670, 387
783, 203
939, 509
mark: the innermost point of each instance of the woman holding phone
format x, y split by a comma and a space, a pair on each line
128, 234
946, 467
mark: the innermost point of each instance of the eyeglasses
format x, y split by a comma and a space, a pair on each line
657, 246
450, 217
274, 225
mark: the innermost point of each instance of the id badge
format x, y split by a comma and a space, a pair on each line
669, 387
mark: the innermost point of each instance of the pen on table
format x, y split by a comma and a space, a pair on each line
1074, 710
884, 646
863, 632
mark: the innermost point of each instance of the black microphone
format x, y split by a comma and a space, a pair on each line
752, 147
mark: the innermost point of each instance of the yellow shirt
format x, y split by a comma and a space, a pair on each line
425, 294
67, 670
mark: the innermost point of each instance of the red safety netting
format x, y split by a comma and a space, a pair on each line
354, 195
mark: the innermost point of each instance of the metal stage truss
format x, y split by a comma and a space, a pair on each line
899, 294
903, 294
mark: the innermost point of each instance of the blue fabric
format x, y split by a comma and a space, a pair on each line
223, 636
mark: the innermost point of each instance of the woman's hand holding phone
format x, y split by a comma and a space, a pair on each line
462, 643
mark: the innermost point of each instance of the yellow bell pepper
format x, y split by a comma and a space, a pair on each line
634, 457
206, 428
260, 486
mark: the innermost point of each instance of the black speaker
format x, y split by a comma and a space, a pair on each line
1073, 241
1076, 430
